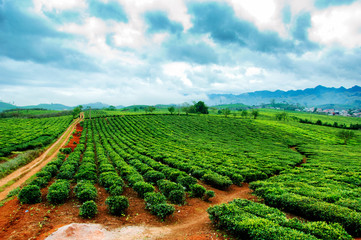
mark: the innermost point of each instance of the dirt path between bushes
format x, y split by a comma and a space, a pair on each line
190, 221
24, 173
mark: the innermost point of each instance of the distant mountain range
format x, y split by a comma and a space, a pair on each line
52, 106
319, 96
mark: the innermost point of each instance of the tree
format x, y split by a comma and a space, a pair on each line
255, 113
77, 110
200, 107
282, 116
188, 108
151, 109
226, 112
244, 113
171, 109
345, 135
111, 108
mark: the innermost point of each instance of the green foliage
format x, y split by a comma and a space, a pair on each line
186, 181
66, 150
197, 190
30, 134
162, 210
77, 110
154, 198
166, 186
116, 190
142, 188
85, 191
208, 194
281, 116
200, 107
255, 113
22, 159
177, 197
88, 209
117, 205
153, 176
30, 194
217, 180
58, 192
244, 113
345, 135
171, 109
226, 112
40, 182
108, 179
251, 220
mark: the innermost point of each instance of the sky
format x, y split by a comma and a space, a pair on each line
126, 52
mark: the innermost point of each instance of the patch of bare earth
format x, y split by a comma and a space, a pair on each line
43, 220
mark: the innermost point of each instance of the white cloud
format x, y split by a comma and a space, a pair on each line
179, 70
337, 25
58, 5
253, 71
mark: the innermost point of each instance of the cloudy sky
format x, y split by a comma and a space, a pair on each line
125, 52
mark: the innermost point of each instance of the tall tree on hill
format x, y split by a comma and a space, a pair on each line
77, 110
171, 109
201, 107
255, 113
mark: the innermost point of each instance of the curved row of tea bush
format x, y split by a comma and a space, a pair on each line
249, 220
327, 187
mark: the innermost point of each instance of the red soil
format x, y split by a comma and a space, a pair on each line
190, 221
76, 137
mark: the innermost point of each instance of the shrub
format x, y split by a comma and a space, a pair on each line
67, 171
87, 195
117, 204
197, 190
65, 150
58, 192
209, 194
134, 178
88, 209
177, 197
154, 198
50, 168
142, 188
30, 194
162, 210
44, 174
85, 191
153, 176
116, 190
216, 180
58, 162
86, 174
40, 182
108, 179
166, 186
186, 181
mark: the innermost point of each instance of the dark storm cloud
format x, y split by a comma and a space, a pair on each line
187, 51
27, 37
219, 20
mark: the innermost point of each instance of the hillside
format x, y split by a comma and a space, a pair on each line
317, 96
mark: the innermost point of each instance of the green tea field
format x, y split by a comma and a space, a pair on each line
192, 177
